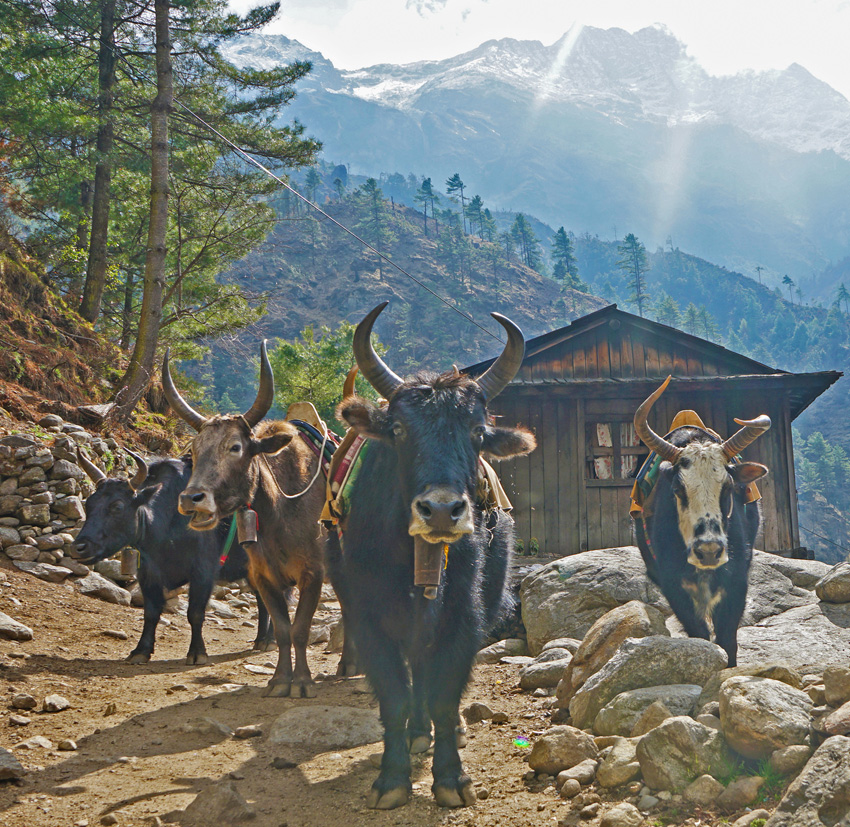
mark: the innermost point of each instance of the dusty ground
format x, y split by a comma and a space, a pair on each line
133, 759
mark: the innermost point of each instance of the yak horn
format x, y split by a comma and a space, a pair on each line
664, 449
141, 473
495, 379
377, 374
265, 394
752, 430
348, 385
178, 404
95, 474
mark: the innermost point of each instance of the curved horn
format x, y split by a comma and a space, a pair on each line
178, 404
664, 449
348, 385
752, 430
265, 394
494, 380
377, 374
141, 474
95, 474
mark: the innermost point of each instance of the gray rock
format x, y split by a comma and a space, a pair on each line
95, 585
248, 731
790, 760
336, 640
67, 745
34, 513
672, 754
804, 574
776, 671
654, 715
71, 508
711, 721
834, 586
31, 475
109, 568
621, 815
740, 793
543, 675
477, 712
9, 537
318, 634
647, 802
770, 593
332, 727
568, 643
18, 441
560, 748
63, 470
10, 767
620, 765
23, 552
820, 795
43, 571
11, 629
19, 720
619, 716
55, 703
49, 542
220, 803
748, 818
51, 421
206, 726
23, 700
584, 772
517, 660
566, 597
815, 634
760, 715
570, 788
836, 685
837, 722
496, 651
76, 567
704, 791
8, 486
9, 504
36, 742
553, 653
650, 661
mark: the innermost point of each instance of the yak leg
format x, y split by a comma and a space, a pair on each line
310, 588
265, 632
387, 672
275, 600
154, 600
727, 615
200, 589
446, 677
419, 725
683, 607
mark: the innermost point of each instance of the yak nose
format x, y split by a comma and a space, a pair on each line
439, 514
709, 553
189, 500
80, 548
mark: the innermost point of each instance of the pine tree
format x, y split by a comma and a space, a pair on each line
565, 269
691, 319
843, 295
425, 196
453, 185
667, 311
526, 242
634, 265
312, 182
789, 283
475, 215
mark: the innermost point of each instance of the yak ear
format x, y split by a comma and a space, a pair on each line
508, 442
273, 443
145, 495
365, 417
746, 472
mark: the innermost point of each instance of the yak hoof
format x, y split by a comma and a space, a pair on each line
346, 670
263, 645
460, 738
307, 689
197, 660
138, 657
389, 800
277, 690
420, 744
461, 796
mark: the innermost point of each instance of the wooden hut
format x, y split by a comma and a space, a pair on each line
578, 390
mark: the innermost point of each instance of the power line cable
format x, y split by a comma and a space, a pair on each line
825, 539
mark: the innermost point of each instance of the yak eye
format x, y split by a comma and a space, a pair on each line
478, 431
117, 506
398, 430
235, 449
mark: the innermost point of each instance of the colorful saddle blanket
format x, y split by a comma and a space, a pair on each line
314, 439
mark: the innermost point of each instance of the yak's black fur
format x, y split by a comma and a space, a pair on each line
418, 653
171, 554
669, 568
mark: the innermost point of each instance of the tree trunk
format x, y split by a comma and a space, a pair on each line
127, 313
97, 263
140, 369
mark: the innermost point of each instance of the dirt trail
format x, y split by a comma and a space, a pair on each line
134, 760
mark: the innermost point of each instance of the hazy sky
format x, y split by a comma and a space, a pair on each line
725, 36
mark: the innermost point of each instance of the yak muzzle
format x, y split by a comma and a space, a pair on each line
200, 506
708, 554
441, 515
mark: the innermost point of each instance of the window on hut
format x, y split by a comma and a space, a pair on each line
614, 452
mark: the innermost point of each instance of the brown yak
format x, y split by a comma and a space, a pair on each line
240, 463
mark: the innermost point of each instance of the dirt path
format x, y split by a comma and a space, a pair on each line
135, 760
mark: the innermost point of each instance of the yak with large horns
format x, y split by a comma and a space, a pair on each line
142, 512
418, 485
697, 530
266, 475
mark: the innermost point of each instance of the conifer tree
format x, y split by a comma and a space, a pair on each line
565, 269
453, 185
843, 295
634, 265
526, 242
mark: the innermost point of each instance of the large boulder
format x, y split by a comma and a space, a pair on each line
619, 716
817, 634
631, 620
650, 661
544, 674
836, 683
566, 597
837, 722
502, 648
770, 592
96, 585
802, 573
560, 748
620, 765
834, 586
672, 754
11, 629
820, 795
760, 715
328, 727
776, 671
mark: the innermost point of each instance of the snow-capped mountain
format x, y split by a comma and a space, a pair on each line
602, 127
